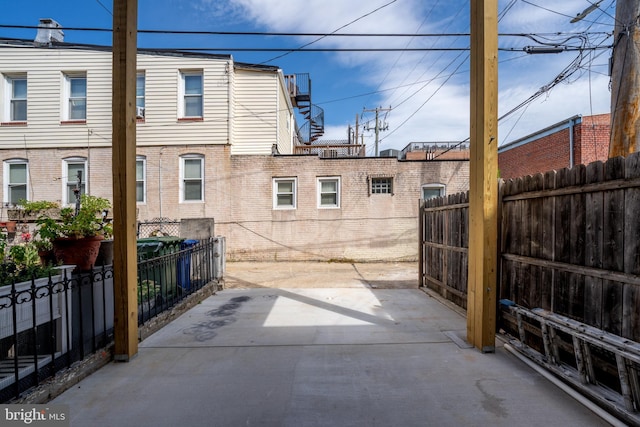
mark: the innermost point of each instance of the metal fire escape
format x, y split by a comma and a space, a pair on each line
299, 86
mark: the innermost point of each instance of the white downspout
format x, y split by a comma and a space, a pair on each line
160, 183
230, 104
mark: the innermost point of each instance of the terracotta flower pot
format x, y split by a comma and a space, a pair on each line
47, 257
79, 252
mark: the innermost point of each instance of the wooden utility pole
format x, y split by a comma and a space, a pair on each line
125, 17
483, 189
625, 80
378, 128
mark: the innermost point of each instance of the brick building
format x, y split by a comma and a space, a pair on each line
577, 140
216, 139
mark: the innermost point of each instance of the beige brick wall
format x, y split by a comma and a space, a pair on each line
239, 196
366, 227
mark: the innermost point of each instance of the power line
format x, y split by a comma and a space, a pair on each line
344, 26
296, 34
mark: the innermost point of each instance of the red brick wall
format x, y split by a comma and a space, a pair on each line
592, 140
551, 152
547, 153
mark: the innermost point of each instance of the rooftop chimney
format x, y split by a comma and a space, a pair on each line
48, 32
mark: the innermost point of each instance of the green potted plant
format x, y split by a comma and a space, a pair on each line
27, 210
76, 237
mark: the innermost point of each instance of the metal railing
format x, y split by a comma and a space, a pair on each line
48, 324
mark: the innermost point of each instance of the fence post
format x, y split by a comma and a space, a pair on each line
421, 204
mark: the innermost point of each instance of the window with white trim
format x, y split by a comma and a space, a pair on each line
75, 92
141, 181
191, 94
70, 178
15, 103
284, 193
329, 192
16, 181
431, 191
192, 178
382, 185
140, 95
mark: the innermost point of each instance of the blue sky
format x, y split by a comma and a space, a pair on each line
428, 91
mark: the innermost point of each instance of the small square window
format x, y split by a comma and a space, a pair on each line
382, 185
284, 193
329, 192
432, 191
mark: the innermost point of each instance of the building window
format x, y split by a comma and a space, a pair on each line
431, 191
329, 192
16, 179
74, 177
284, 193
140, 93
141, 182
192, 178
75, 106
382, 185
16, 100
191, 94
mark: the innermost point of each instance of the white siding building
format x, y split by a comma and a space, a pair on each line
215, 139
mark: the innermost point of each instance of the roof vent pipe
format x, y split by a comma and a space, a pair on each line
48, 32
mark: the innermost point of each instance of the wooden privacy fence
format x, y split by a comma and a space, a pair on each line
571, 244
444, 242
569, 254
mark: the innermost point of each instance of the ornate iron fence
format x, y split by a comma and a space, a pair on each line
48, 324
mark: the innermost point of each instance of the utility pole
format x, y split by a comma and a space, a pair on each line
625, 80
378, 127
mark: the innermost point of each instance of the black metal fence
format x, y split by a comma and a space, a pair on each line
48, 324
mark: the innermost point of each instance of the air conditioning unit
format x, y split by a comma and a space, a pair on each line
140, 112
330, 153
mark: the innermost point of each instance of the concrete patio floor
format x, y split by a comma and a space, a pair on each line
318, 344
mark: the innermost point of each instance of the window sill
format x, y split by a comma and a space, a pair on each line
13, 124
190, 119
73, 122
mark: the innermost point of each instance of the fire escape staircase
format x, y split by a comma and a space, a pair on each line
299, 86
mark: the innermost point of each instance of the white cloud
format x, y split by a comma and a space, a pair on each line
439, 111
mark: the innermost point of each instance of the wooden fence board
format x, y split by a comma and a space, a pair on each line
594, 219
593, 303
631, 220
612, 307
548, 214
631, 313
562, 220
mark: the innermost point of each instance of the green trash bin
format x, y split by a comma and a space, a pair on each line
157, 279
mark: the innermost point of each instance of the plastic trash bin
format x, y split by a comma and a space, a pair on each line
184, 264
159, 276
